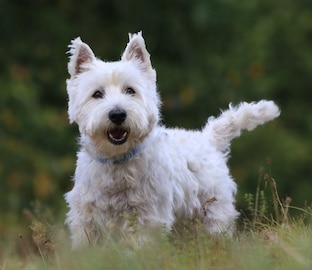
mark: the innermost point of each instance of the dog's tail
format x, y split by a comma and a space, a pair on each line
230, 123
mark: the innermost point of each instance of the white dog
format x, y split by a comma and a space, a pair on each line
134, 174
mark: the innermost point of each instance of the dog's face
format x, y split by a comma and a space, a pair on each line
115, 104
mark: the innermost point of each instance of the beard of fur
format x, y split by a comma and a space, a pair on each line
98, 145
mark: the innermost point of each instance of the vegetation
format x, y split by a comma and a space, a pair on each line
271, 249
207, 54
273, 241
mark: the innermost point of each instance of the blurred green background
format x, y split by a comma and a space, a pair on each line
207, 53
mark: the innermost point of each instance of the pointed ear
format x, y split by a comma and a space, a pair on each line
80, 55
136, 50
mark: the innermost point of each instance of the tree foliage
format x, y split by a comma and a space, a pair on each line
207, 54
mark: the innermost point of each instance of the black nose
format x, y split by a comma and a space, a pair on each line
117, 116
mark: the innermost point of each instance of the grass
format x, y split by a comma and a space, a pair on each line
275, 247
268, 238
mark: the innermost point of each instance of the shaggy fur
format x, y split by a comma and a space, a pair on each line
134, 175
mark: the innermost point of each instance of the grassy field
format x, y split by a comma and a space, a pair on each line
269, 236
271, 247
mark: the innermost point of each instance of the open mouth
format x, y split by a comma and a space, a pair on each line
118, 135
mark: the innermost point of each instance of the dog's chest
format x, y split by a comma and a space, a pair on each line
122, 191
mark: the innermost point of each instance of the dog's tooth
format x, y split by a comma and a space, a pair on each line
118, 139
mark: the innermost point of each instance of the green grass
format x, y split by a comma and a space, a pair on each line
268, 237
272, 247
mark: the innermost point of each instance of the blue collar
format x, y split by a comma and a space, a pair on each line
119, 159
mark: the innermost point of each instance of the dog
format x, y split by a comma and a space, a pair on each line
134, 175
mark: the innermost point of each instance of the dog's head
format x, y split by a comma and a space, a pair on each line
115, 104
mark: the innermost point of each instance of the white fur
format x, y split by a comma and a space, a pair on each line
173, 174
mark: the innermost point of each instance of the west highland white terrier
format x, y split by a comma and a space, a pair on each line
133, 174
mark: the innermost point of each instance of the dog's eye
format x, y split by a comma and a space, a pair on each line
97, 94
129, 91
